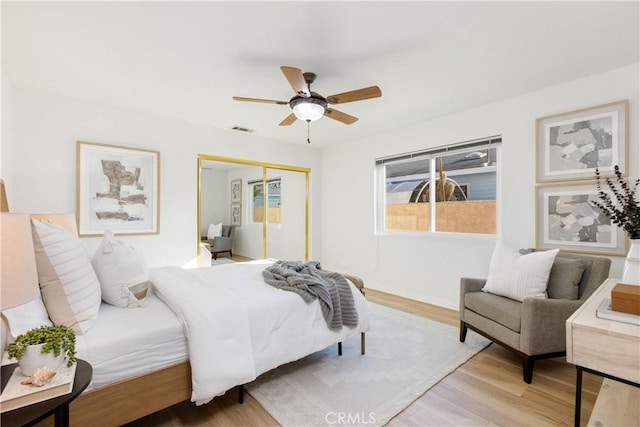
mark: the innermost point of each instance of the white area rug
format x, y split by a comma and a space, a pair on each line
221, 261
405, 356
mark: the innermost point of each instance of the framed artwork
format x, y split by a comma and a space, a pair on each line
236, 214
118, 189
567, 219
236, 191
569, 146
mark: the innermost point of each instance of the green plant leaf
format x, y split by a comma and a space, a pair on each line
56, 339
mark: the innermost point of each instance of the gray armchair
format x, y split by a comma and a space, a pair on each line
535, 328
222, 243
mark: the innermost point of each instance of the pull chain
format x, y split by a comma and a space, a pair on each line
308, 141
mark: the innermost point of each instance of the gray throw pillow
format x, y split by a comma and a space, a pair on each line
565, 278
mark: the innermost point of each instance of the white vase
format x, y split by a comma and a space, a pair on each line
34, 359
631, 271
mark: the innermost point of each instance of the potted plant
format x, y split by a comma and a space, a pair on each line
43, 346
622, 207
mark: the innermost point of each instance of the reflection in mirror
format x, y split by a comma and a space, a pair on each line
222, 194
286, 214
267, 205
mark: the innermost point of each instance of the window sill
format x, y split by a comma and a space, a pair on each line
436, 235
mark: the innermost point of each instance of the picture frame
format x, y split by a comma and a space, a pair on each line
566, 219
126, 203
569, 146
236, 191
236, 214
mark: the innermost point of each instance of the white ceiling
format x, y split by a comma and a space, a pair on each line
185, 60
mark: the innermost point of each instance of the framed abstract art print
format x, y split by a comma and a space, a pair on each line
569, 146
567, 219
118, 189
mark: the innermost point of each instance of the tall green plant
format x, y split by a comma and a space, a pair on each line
621, 206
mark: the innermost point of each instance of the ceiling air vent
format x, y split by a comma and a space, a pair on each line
242, 129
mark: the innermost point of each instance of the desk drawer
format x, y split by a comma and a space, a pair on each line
611, 354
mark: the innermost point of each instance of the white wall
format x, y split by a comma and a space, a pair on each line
6, 123
428, 268
43, 152
214, 199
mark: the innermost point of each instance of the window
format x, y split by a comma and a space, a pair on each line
273, 200
464, 187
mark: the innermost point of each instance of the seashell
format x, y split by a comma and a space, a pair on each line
40, 377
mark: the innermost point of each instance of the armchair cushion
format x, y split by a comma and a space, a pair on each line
519, 276
502, 310
565, 278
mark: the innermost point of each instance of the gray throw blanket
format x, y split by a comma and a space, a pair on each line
310, 282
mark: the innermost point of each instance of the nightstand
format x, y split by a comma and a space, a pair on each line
58, 406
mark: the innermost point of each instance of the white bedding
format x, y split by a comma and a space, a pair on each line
283, 327
125, 343
248, 326
252, 329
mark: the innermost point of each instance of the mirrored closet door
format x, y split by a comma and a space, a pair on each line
268, 205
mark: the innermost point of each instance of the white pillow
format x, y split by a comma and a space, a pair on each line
215, 230
69, 286
25, 317
122, 271
518, 276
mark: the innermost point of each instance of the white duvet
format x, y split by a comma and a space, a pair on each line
238, 327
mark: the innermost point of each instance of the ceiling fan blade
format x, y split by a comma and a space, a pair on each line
340, 116
355, 95
266, 101
290, 119
296, 80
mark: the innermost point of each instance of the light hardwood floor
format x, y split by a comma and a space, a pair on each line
486, 390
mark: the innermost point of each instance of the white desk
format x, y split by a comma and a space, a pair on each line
600, 346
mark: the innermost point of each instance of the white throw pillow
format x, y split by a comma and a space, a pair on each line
518, 276
69, 286
122, 271
215, 230
25, 317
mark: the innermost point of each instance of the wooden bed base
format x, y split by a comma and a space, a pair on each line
128, 400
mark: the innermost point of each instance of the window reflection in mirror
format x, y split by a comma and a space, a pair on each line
256, 189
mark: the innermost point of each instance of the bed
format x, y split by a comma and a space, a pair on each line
143, 357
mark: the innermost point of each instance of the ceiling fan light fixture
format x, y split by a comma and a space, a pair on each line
308, 109
309, 106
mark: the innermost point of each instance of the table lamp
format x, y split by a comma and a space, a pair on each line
18, 273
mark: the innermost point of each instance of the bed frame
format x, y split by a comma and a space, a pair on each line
128, 400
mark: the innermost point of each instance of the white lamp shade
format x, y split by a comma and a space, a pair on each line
308, 111
18, 272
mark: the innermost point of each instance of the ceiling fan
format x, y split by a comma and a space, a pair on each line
309, 106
